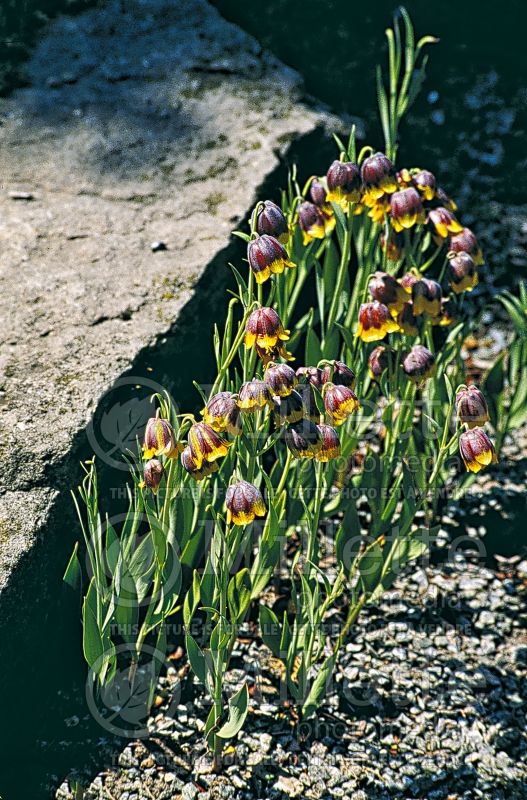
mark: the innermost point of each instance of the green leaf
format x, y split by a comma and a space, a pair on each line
270, 630
73, 574
239, 594
92, 640
238, 708
196, 659
370, 566
141, 566
319, 687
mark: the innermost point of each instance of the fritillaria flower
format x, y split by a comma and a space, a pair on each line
330, 448
425, 182
264, 331
206, 444
419, 364
340, 374
318, 194
244, 502
160, 439
477, 450
312, 375
222, 413
426, 297
281, 379
466, 242
406, 209
407, 320
462, 273
190, 464
314, 223
386, 289
267, 257
378, 177
375, 321
303, 439
443, 222
254, 395
339, 402
270, 220
152, 474
344, 183
471, 407
378, 361
289, 409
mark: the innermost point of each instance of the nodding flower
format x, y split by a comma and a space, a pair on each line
462, 273
419, 364
477, 450
445, 200
244, 502
344, 183
425, 182
254, 395
281, 379
386, 289
340, 374
378, 177
309, 404
330, 448
271, 220
206, 445
466, 242
379, 361
407, 320
264, 331
375, 321
190, 464
314, 223
160, 439
408, 280
222, 413
152, 474
443, 222
406, 209
312, 375
267, 257
303, 439
339, 402
318, 194
426, 297
471, 407
289, 409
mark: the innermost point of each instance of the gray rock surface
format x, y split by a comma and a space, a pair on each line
144, 122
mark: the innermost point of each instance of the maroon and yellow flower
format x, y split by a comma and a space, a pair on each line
462, 273
386, 289
312, 375
446, 201
426, 297
339, 402
314, 223
152, 474
222, 414
281, 379
477, 450
289, 409
190, 464
270, 220
408, 280
471, 407
264, 331
425, 182
344, 183
254, 395
443, 222
318, 194
393, 247
379, 361
378, 177
244, 502
206, 445
330, 448
406, 209
267, 257
375, 321
419, 364
466, 242
303, 439
340, 374
160, 439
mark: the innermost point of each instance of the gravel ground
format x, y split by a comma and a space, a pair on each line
428, 702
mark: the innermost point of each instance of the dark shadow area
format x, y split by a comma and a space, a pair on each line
42, 671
